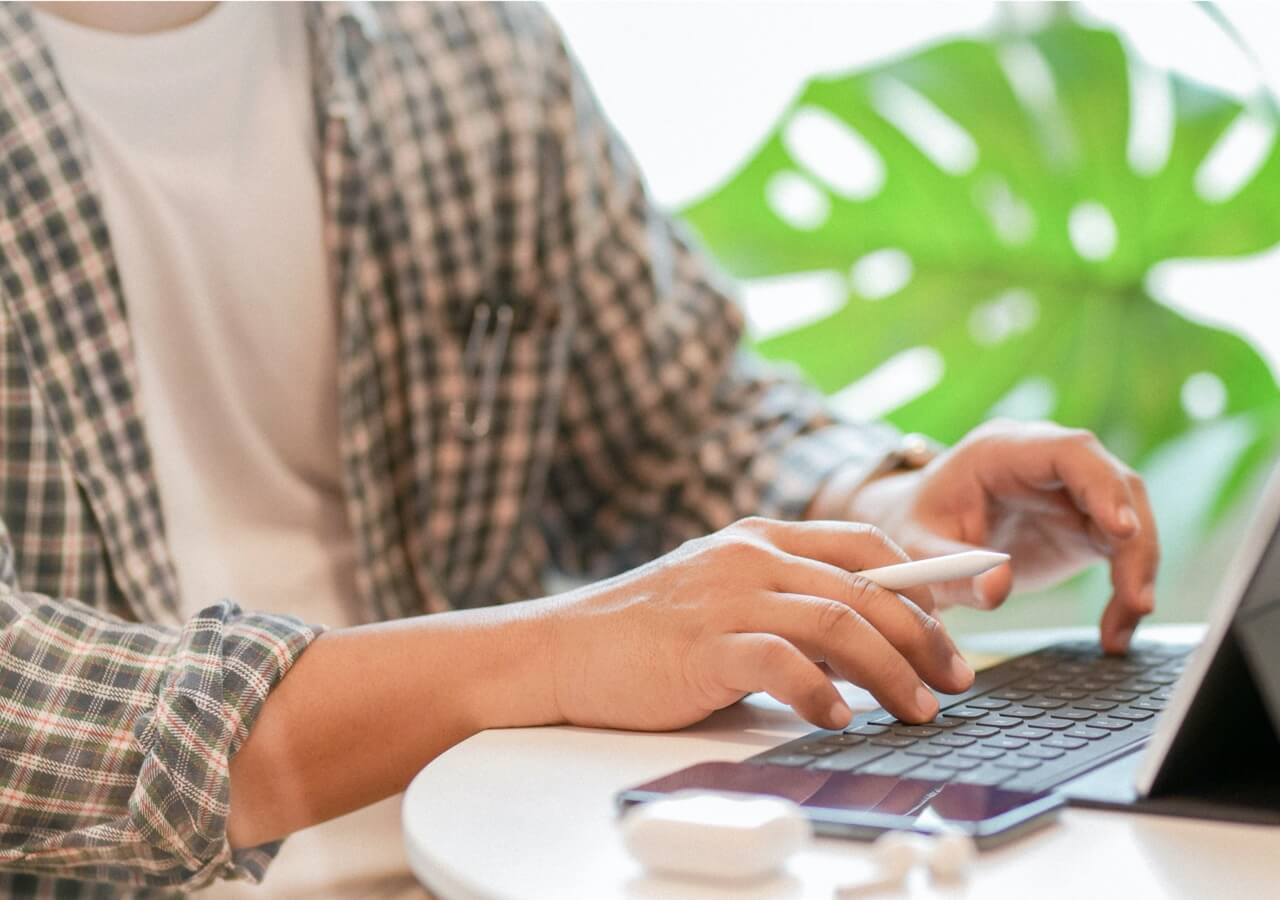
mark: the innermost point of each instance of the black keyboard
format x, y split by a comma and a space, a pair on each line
1028, 724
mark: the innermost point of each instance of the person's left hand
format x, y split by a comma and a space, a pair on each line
1051, 497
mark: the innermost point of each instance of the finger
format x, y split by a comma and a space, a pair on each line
851, 546
852, 646
986, 591
1097, 482
1133, 572
745, 663
915, 634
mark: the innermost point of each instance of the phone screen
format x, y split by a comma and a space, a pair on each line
865, 805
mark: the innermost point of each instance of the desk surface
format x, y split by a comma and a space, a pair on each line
528, 813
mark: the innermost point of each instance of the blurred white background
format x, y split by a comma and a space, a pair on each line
694, 86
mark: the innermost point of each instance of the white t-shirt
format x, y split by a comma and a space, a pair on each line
203, 143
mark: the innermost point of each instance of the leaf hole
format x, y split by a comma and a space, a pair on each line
1010, 216
797, 201
784, 303
898, 380
935, 134
1092, 231
833, 152
1235, 158
881, 273
1012, 313
1204, 396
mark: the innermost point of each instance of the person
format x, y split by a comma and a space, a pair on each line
360, 315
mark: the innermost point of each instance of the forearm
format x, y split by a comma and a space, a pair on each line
365, 708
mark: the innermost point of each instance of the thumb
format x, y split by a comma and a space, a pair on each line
986, 591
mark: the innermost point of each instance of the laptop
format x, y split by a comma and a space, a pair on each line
1171, 729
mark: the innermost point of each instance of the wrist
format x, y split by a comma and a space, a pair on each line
841, 496
514, 686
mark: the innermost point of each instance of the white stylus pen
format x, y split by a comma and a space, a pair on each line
939, 568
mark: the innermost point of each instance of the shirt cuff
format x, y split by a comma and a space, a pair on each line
811, 459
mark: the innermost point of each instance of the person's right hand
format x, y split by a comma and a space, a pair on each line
754, 607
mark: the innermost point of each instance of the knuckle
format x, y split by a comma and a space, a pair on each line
859, 592
740, 550
833, 615
753, 525
772, 653
1080, 438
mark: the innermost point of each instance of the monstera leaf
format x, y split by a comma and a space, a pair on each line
1002, 202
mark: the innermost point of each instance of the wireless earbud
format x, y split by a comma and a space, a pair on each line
947, 855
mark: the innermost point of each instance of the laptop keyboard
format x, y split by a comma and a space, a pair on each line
1027, 724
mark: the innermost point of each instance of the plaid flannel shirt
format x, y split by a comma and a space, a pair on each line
471, 187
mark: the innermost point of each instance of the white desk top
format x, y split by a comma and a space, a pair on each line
529, 813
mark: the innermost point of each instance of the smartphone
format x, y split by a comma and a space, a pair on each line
846, 804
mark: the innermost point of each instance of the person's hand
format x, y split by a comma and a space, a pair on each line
1051, 497
754, 607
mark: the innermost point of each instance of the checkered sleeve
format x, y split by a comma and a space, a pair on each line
115, 737
669, 430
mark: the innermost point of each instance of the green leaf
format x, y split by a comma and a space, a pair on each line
1023, 232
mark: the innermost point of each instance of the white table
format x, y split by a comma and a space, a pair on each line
529, 813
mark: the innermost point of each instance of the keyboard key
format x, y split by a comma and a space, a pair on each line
1050, 724
1010, 694
1034, 685
1133, 715
788, 759
931, 772
1041, 752
883, 718
1109, 723
953, 740
987, 776
1045, 703
867, 730
1028, 734
1162, 694
1117, 696
930, 750
892, 740
945, 721
891, 765
1160, 678
1095, 705
1089, 734
988, 703
916, 731
977, 731
1066, 694
981, 753
1142, 687
1091, 684
996, 721
957, 763
966, 712
1024, 712
1005, 743
817, 749
1075, 715
1149, 703
1021, 763
850, 759
844, 740
1061, 742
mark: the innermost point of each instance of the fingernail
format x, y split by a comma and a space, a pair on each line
1128, 519
840, 715
926, 703
961, 671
